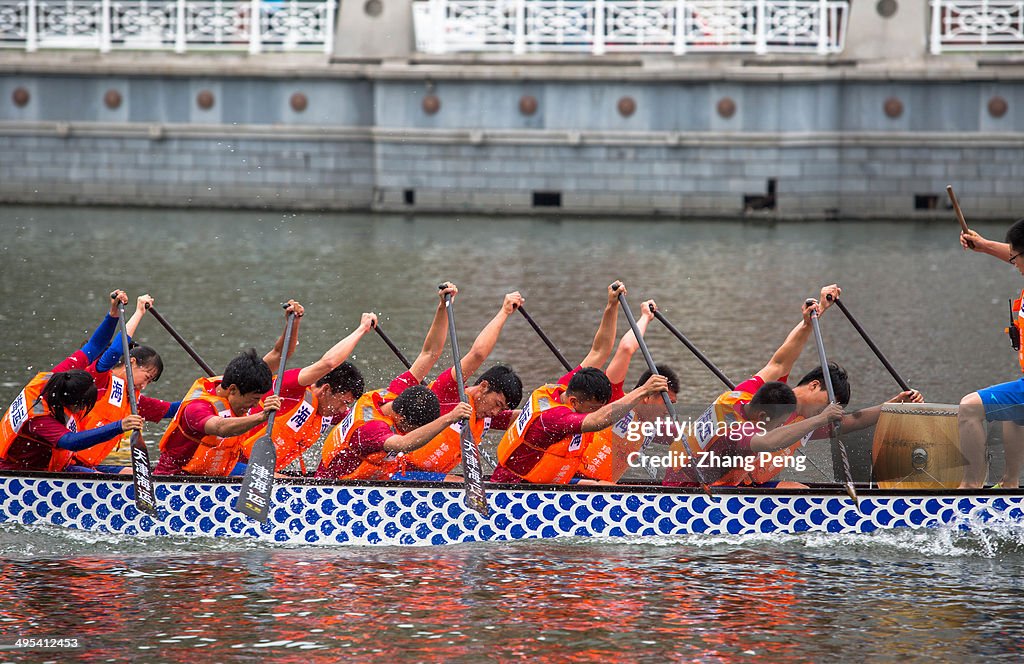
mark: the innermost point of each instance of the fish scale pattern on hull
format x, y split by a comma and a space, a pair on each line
333, 515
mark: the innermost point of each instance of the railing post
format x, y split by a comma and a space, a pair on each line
519, 45
179, 31
598, 45
255, 27
761, 28
32, 36
823, 22
329, 27
679, 47
936, 37
105, 26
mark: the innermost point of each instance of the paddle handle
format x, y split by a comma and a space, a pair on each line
289, 324
958, 211
693, 349
645, 351
545, 339
181, 341
871, 344
827, 375
129, 377
390, 344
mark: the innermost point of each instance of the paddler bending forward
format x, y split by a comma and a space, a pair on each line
546, 442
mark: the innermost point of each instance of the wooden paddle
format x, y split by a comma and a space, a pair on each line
837, 445
181, 341
693, 349
669, 406
959, 212
390, 344
254, 497
545, 339
871, 344
142, 475
475, 497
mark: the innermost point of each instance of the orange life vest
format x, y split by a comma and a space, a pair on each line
710, 429
27, 405
113, 406
1018, 322
377, 466
562, 459
767, 472
607, 455
215, 456
295, 430
444, 452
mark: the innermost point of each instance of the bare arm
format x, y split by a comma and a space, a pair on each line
867, 417
417, 438
999, 250
604, 339
273, 358
610, 413
785, 436
337, 354
225, 427
628, 346
488, 337
140, 311
433, 344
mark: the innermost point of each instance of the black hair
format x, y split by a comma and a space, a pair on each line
417, 405
775, 399
590, 384
344, 378
146, 357
503, 379
667, 372
249, 373
1015, 235
840, 382
69, 389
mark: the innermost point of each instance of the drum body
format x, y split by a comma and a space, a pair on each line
917, 446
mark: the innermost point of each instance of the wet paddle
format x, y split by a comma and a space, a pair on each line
871, 344
669, 406
693, 349
142, 475
254, 497
545, 339
475, 497
837, 445
181, 341
959, 212
394, 349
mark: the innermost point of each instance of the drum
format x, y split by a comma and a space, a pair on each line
917, 446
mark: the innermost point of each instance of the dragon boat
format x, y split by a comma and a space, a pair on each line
314, 512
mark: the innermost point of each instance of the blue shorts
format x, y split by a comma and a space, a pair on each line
110, 470
1004, 402
419, 476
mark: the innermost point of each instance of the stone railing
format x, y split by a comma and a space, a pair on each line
977, 25
181, 25
604, 26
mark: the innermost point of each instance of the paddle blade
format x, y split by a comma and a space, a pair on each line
142, 476
254, 498
475, 496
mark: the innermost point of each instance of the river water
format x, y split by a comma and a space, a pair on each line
734, 288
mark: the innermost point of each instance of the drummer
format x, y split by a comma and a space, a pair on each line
998, 403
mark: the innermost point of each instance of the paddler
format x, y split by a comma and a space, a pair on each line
315, 398
493, 398
48, 415
217, 414
546, 443
112, 403
606, 458
763, 402
1003, 402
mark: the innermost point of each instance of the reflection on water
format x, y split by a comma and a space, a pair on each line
579, 601
734, 288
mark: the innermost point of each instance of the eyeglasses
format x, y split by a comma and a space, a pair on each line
1014, 257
